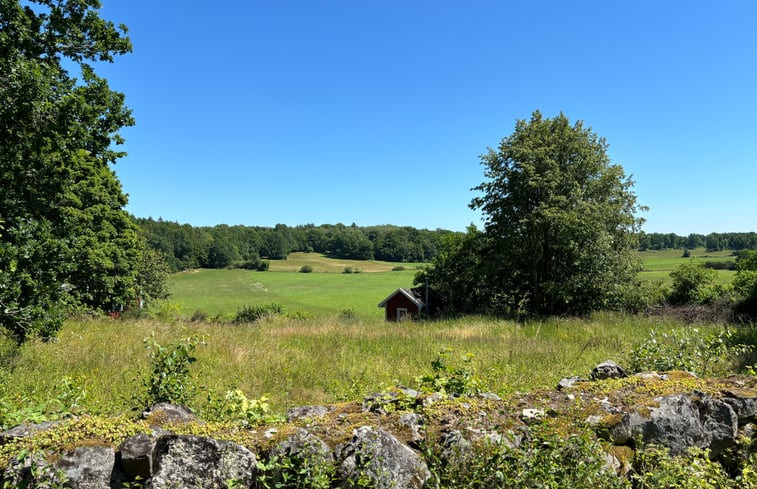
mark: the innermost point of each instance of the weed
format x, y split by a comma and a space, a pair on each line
455, 379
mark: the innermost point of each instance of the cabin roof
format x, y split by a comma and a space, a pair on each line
409, 293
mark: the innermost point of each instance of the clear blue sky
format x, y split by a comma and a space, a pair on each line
375, 112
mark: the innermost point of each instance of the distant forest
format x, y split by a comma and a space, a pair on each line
712, 241
184, 246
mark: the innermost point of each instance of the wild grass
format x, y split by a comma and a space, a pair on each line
321, 360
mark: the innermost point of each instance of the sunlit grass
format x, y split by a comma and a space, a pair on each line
322, 360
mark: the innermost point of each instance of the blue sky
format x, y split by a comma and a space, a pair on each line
375, 112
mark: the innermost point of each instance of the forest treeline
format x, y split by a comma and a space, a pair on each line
184, 246
712, 241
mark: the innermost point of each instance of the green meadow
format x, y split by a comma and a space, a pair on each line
327, 358
325, 291
328, 291
657, 265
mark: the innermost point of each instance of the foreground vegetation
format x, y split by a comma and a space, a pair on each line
300, 362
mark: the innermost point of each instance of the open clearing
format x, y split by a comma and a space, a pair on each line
658, 264
327, 291
226, 291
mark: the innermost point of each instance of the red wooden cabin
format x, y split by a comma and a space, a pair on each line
402, 304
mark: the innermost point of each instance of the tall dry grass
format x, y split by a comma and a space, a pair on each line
320, 360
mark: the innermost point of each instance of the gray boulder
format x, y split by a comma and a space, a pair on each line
303, 412
26, 430
679, 422
90, 467
379, 457
415, 424
163, 413
569, 382
608, 370
136, 456
309, 458
192, 461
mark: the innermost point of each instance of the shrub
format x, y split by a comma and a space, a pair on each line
299, 315
253, 264
306, 269
198, 317
686, 349
456, 378
235, 406
251, 314
398, 268
720, 265
169, 379
655, 468
692, 283
349, 314
347, 270
543, 460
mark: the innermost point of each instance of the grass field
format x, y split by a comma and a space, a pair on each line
657, 265
320, 360
226, 291
327, 291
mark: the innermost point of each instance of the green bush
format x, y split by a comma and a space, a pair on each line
398, 268
306, 269
298, 315
169, 379
455, 378
251, 314
544, 460
656, 469
253, 264
692, 283
687, 349
347, 270
349, 314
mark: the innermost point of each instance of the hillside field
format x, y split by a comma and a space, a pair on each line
327, 291
657, 265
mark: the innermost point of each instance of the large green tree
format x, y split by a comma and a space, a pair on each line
65, 237
560, 223
560, 219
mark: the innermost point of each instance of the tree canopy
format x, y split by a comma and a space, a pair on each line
65, 238
560, 229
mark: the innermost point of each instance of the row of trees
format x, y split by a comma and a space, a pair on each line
712, 241
65, 239
184, 246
